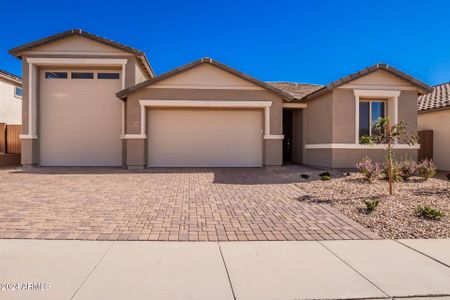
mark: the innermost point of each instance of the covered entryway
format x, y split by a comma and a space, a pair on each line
201, 137
80, 118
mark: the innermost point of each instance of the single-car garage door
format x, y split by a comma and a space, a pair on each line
204, 138
80, 118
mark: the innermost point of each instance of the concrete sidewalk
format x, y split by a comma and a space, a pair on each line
230, 270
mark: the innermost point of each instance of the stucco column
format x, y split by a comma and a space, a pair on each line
29, 140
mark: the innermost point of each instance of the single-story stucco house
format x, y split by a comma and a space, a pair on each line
89, 101
10, 98
434, 114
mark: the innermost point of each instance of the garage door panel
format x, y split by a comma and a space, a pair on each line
80, 122
204, 138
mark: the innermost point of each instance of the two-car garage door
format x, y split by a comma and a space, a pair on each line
80, 125
204, 138
80, 118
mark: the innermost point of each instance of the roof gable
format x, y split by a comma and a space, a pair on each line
380, 78
76, 44
45, 43
206, 76
422, 87
224, 68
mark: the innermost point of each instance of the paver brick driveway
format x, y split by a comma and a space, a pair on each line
166, 204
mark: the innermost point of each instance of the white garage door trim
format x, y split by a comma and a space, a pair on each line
212, 104
205, 138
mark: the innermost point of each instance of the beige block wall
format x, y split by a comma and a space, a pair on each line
439, 122
273, 154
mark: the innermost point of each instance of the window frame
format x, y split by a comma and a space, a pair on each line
115, 73
82, 78
370, 101
15, 91
56, 78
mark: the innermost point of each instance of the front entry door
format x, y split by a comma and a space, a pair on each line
287, 131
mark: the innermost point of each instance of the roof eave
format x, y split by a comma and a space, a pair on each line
422, 87
17, 51
124, 93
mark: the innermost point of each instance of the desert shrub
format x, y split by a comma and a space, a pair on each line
426, 169
371, 205
325, 177
448, 176
325, 173
365, 140
396, 174
429, 212
370, 170
407, 168
304, 176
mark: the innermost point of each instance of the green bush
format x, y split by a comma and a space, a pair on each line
429, 212
371, 204
370, 170
407, 168
325, 173
396, 174
426, 169
325, 177
365, 140
304, 176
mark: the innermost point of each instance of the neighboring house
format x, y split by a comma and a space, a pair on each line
434, 114
89, 101
10, 98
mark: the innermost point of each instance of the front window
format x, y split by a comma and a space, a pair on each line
369, 112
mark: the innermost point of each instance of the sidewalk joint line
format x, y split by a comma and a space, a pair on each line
424, 254
93, 269
226, 270
359, 273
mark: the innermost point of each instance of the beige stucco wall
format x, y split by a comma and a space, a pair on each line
272, 148
348, 158
74, 47
330, 119
10, 105
439, 122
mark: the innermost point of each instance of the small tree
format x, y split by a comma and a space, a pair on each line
385, 133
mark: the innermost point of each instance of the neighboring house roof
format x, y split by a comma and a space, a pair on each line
206, 60
10, 77
438, 99
139, 54
423, 87
297, 90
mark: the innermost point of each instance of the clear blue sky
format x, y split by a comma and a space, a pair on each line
302, 41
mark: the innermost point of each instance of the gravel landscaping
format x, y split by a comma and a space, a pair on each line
395, 216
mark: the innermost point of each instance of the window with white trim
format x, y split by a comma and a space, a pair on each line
18, 91
369, 112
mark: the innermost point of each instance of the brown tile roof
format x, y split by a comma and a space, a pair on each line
423, 87
439, 98
206, 60
139, 54
297, 90
10, 77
